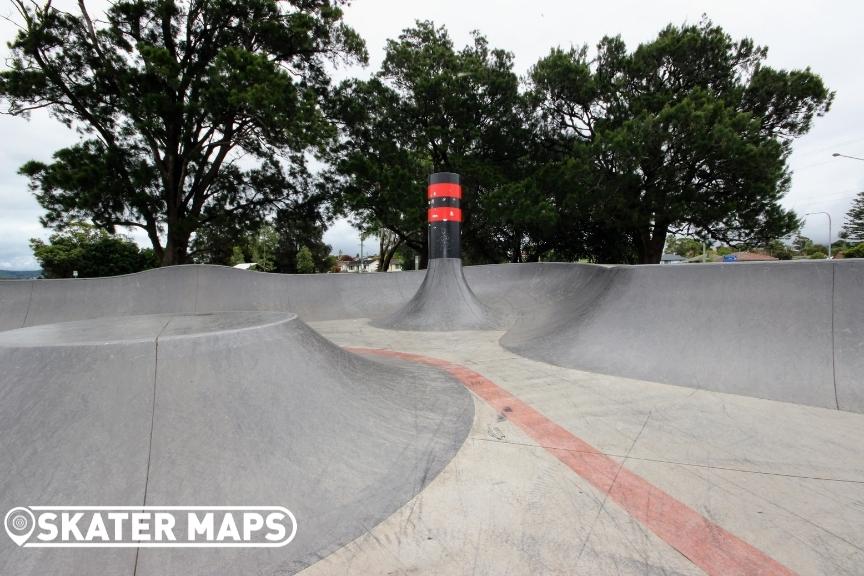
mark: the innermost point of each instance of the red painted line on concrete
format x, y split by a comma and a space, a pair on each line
707, 545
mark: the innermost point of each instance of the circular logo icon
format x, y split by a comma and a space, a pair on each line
19, 524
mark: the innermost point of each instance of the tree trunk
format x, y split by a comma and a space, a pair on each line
651, 243
153, 234
177, 243
170, 254
176, 249
516, 247
384, 259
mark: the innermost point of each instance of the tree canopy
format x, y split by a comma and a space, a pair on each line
689, 133
432, 108
90, 252
600, 157
853, 225
198, 119
305, 263
195, 114
854, 251
686, 247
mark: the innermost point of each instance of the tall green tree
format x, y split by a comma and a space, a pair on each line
687, 247
432, 107
229, 248
90, 252
853, 225
305, 263
687, 134
801, 243
170, 95
237, 256
272, 243
301, 225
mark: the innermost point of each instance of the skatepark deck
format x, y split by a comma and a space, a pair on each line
623, 420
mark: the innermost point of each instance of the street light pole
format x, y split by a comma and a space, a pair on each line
838, 155
829, 228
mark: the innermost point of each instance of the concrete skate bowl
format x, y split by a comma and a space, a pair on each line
789, 331
237, 408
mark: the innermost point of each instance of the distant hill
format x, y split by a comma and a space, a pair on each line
19, 274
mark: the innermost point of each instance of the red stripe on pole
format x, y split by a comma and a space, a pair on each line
444, 190
444, 214
704, 543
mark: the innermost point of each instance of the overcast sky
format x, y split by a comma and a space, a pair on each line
826, 36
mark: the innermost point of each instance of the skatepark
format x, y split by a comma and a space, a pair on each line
542, 418
337, 288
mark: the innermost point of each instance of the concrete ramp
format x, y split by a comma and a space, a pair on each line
790, 331
849, 335
763, 330
198, 385
444, 302
201, 288
230, 409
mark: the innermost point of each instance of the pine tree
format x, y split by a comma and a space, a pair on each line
853, 228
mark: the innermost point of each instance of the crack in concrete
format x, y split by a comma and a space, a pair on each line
152, 422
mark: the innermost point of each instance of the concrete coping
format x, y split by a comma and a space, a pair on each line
138, 329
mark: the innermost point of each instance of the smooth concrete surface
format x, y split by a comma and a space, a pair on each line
74, 429
765, 331
444, 302
789, 331
197, 385
849, 336
220, 409
788, 479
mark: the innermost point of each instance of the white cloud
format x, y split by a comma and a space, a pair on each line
344, 238
24, 140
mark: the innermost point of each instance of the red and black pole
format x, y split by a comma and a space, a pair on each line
444, 215
444, 300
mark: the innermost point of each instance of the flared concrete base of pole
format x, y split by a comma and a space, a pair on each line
443, 302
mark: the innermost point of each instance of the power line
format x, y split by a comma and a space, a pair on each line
830, 146
808, 166
838, 196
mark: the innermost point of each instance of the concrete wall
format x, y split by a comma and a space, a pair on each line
849, 335
791, 331
762, 330
186, 289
